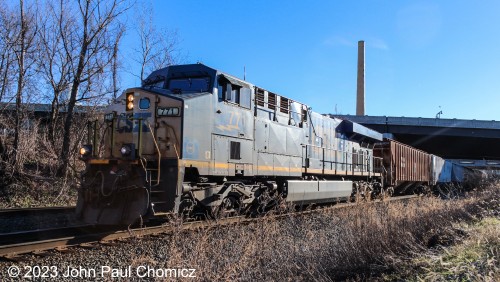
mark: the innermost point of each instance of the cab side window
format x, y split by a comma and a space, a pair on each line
234, 94
245, 97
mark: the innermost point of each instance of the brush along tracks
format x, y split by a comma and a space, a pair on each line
90, 236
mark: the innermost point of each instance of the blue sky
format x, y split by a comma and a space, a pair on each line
421, 56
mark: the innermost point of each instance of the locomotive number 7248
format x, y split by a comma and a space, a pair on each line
168, 111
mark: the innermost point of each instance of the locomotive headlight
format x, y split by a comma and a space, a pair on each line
129, 101
128, 151
125, 150
85, 151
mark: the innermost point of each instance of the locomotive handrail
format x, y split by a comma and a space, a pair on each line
350, 166
311, 145
112, 137
139, 137
159, 153
379, 164
92, 126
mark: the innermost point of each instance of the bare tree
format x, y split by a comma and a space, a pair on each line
7, 21
54, 63
78, 59
159, 48
23, 44
116, 62
90, 45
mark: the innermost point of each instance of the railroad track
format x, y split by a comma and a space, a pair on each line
32, 211
84, 235
14, 220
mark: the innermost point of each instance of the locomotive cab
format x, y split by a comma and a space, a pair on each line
134, 164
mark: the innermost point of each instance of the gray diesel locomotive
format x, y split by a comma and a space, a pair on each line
194, 140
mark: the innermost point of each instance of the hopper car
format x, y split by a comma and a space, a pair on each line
409, 170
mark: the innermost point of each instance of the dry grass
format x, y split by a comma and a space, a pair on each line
33, 181
474, 258
368, 241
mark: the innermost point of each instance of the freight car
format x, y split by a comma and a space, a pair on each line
197, 141
408, 170
448, 173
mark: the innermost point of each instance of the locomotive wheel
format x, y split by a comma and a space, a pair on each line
265, 202
190, 209
377, 190
423, 190
230, 206
187, 206
427, 191
363, 192
387, 192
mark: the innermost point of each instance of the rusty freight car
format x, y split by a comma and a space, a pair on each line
406, 168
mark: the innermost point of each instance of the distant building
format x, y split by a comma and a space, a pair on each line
40, 113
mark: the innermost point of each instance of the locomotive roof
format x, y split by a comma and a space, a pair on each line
174, 70
190, 70
352, 130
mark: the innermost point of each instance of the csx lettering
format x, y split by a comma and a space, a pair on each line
130, 126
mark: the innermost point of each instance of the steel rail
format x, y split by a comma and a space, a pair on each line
12, 250
41, 234
35, 210
24, 219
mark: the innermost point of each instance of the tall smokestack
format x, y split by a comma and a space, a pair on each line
360, 97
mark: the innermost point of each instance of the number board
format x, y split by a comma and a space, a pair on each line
109, 116
168, 111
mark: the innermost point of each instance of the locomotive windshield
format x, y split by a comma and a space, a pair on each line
189, 84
